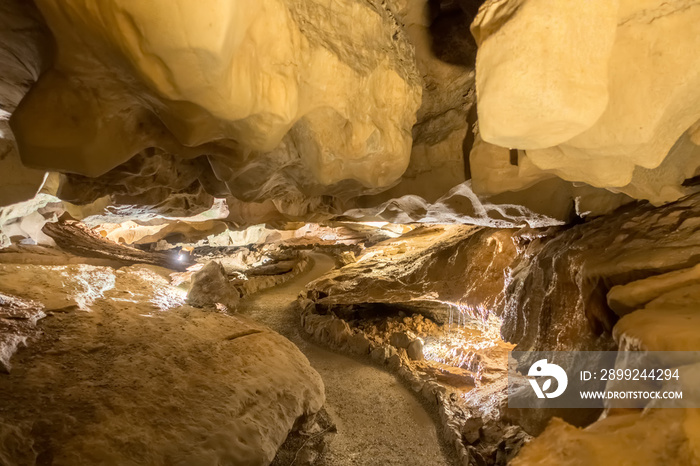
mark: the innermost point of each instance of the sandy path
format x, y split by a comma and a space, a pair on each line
379, 421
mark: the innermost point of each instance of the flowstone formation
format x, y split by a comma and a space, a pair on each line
441, 306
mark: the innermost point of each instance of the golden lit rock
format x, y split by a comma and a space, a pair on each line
636, 77
542, 69
130, 76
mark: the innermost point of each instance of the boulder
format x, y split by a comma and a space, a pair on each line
542, 69
401, 339
133, 383
210, 286
415, 350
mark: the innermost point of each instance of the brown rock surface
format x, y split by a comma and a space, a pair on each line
137, 381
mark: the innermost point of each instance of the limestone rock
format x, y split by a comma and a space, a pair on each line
18, 319
669, 323
445, 53
394, 361
471, 431
131, 382
27, 219
415, 350
358, 344
626, 298
18, 183
494, 171
476, 272
339, 332
638, 82
210, 286
395, 273
380, 354
649, 438
508, 177
23, 53
459, 206
694, 133
401, 339
337, 83
537, 93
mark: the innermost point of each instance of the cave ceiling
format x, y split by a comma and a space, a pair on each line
501, 113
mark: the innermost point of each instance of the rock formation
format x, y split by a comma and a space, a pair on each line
426, 185
210, 287
234, 385
194, 82
600, 94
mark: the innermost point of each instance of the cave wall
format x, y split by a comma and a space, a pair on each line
548, 286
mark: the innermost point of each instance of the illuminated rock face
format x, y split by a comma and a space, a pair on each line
664, 436
211, 287
335, 84
542, 69
145, 379
597, 93
348, 105
548, 287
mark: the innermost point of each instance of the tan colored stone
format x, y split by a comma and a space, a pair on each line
664, 436
493, 172
626, 298
542, 69
647, 84
211, 287
337, 74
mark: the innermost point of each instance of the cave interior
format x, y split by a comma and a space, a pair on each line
321, 232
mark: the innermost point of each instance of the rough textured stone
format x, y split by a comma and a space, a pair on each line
177, 386
625, 298
504, 176
401, 339
18, 319
471, 431
380, 354
210, 286
670, 322
333, 97
415, 350
358, 344
24, 52
537, 92
663, 436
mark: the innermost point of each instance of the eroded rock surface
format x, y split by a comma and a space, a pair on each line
18, 319
325, 101
24, 52
211, 287
664, 436
136, 380
609, 114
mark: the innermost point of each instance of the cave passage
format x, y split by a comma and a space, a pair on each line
349, 232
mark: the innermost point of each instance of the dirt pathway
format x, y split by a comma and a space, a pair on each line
379, 421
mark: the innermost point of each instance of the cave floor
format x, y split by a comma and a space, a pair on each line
379, 421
